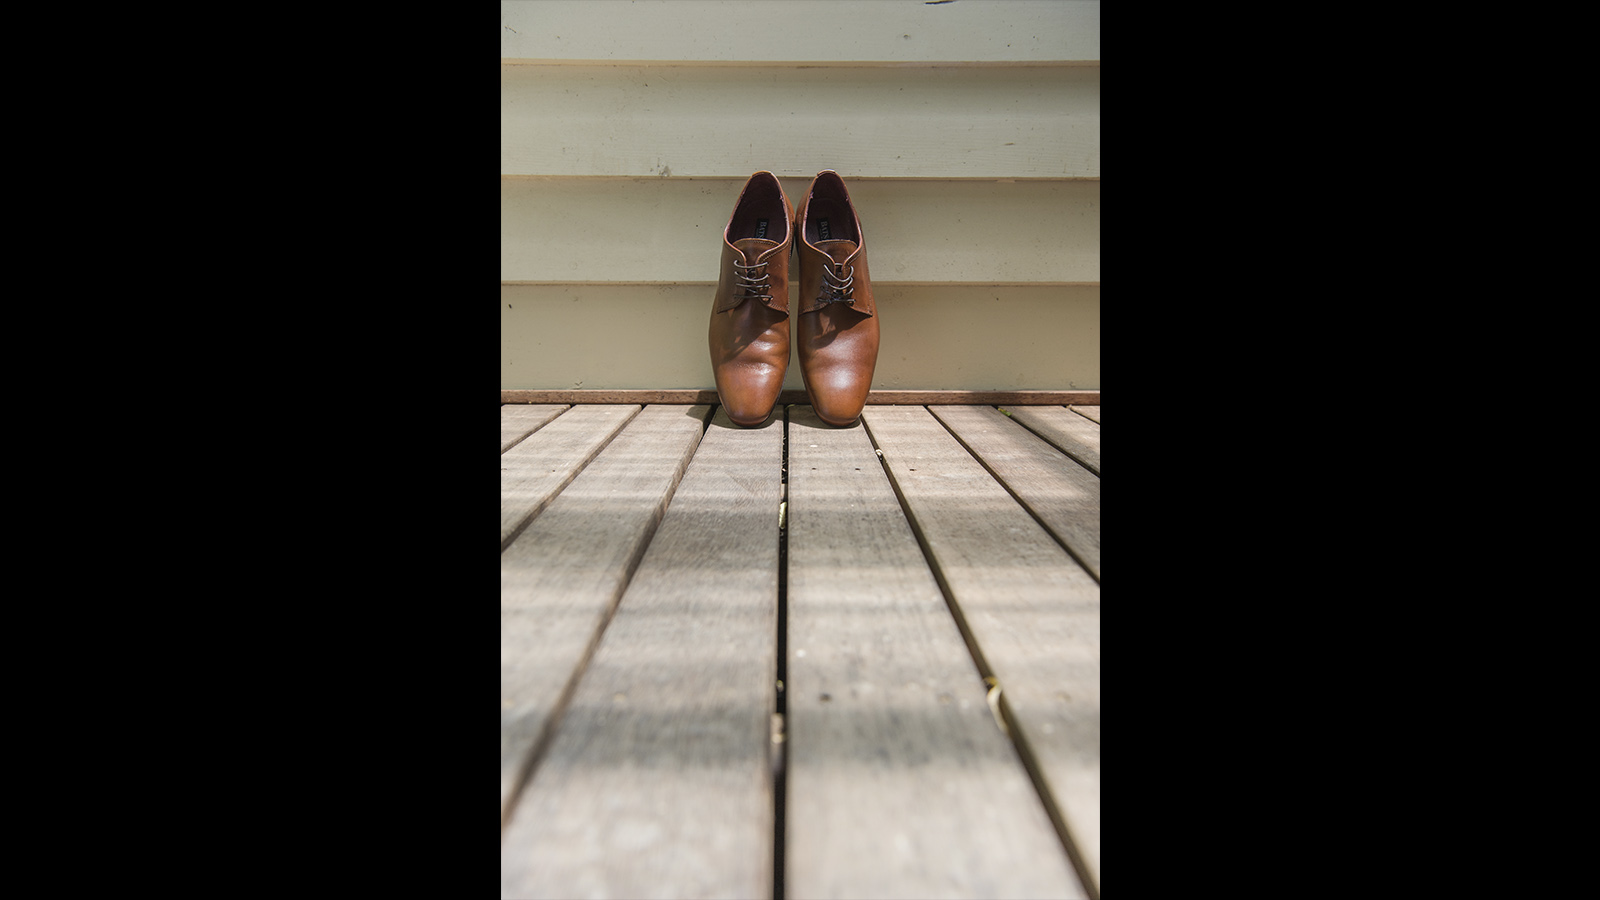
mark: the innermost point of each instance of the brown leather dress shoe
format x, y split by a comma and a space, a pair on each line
750, 313
837, 328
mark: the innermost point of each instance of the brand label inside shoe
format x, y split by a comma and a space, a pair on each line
761, 228
822, 228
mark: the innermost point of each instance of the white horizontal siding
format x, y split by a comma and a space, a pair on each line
968, 133
720, 31
1014, 122
572, 229
951, 337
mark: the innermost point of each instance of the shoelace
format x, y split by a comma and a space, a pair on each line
836, 287
751, 283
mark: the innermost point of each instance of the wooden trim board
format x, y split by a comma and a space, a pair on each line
874, 398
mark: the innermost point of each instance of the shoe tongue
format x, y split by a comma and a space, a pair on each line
839, 250
752, 248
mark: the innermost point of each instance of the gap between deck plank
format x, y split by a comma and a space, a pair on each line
1030, 612
1074, 435
560, 579
657, 782
517, 421
537, 469
900, 784
1059, 492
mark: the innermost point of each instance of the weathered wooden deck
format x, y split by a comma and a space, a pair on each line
800, 660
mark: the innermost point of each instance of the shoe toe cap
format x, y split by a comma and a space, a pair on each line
748, 394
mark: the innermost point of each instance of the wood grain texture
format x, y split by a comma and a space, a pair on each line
890, 398
565, 230
1031, 612
726, 122
924, 398
716, 31
899, 782
960, 337
534, 471
1059, 491
1088, 412
658, 781
560, 579
519, 420
1074, 435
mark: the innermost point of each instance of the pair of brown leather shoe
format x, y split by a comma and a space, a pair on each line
836, 332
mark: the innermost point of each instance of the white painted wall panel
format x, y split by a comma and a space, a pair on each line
765, 31
670, 230
961, 122
968, 132
952, 337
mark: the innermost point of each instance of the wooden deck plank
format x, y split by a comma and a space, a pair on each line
899, 782
560, 579
1073, 434
1062, 494
1088, 412
658, 781
1031, 612
517, 421
534, 471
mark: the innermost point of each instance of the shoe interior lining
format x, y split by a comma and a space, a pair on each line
828, 219
760, 213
